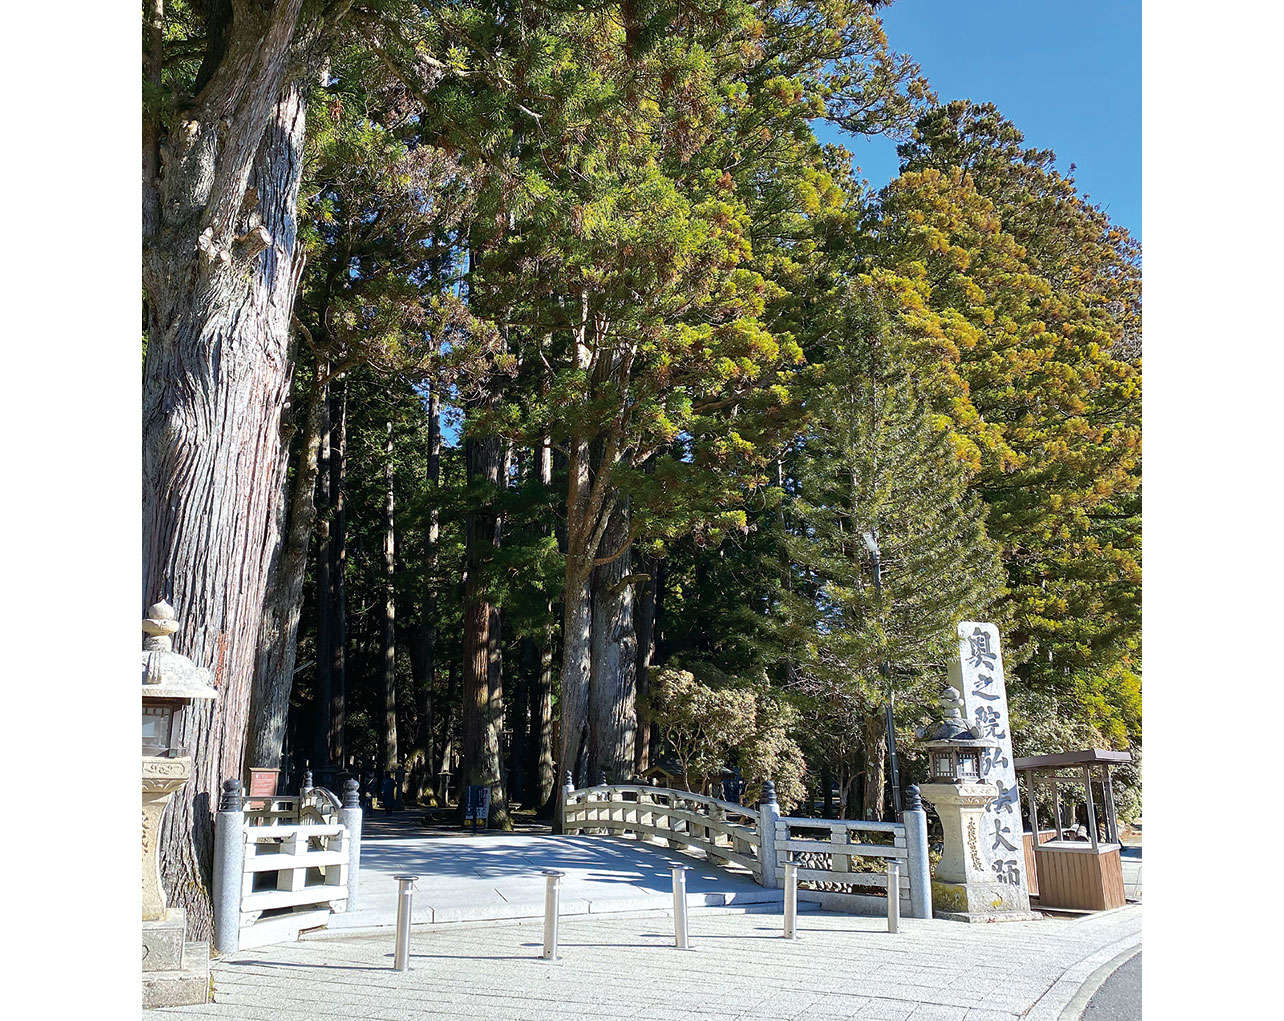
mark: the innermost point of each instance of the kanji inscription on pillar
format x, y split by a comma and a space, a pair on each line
978, 674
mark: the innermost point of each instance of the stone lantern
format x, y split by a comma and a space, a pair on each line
962, 886
954, 748
174, 972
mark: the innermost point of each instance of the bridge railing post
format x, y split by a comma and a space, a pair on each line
768, 815
567, 787
229, 868
920, 876
350, 817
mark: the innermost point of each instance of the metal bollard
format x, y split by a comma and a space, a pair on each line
791, 900
893, 895
552, 902
405, 898
680, 939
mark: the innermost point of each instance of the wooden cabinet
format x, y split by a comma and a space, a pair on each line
1071, 874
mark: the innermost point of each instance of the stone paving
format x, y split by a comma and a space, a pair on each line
625, 966
500, 875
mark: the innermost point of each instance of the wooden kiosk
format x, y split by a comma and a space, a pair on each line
1073, 866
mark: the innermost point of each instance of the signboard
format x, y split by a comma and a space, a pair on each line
262, 782
477, 805
978, 674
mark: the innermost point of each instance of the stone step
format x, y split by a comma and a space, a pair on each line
180, 987
163, 941
282, 928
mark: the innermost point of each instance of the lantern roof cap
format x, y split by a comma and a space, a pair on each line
952, 731
166, 673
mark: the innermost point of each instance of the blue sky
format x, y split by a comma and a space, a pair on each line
1068, 74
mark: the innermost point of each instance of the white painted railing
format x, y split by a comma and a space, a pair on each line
724, 831
283, 865
295, 866
823, 850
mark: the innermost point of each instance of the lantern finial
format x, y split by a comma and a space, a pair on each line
159, 625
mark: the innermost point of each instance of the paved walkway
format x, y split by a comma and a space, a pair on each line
626, 967
500, 875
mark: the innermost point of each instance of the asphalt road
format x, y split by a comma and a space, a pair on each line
1119, 998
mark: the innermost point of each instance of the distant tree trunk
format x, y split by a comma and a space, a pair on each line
338, 556
279, 634
645, 618
875, 734
613, 676
426, 639
323, 696
390, 756
542, 726
521, 781
481, 763
219, 274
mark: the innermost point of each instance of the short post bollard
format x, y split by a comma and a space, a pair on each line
680, 938
893, 895
791, 900
552, 903
405, 899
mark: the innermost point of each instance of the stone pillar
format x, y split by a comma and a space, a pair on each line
920, 874
350, 816
768, 814
229, 868
977, 672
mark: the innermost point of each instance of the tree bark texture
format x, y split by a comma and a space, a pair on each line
220, 272
614, 661
278, 636
390, 754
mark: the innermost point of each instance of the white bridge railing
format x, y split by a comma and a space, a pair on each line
844, 862
724, 831
282, 865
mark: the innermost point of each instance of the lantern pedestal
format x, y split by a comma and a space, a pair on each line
962, 889
161, 778
176, 973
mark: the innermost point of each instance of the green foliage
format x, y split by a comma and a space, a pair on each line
707, 727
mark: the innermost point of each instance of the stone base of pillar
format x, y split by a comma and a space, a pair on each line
962, 889
186, 985
979, 902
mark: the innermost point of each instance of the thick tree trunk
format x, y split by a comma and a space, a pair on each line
279, 633
645, 626
215, 383
576, 666
390, 754
338, 557
614, 656
875, 734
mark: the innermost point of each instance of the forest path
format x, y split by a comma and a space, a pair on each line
497, 875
